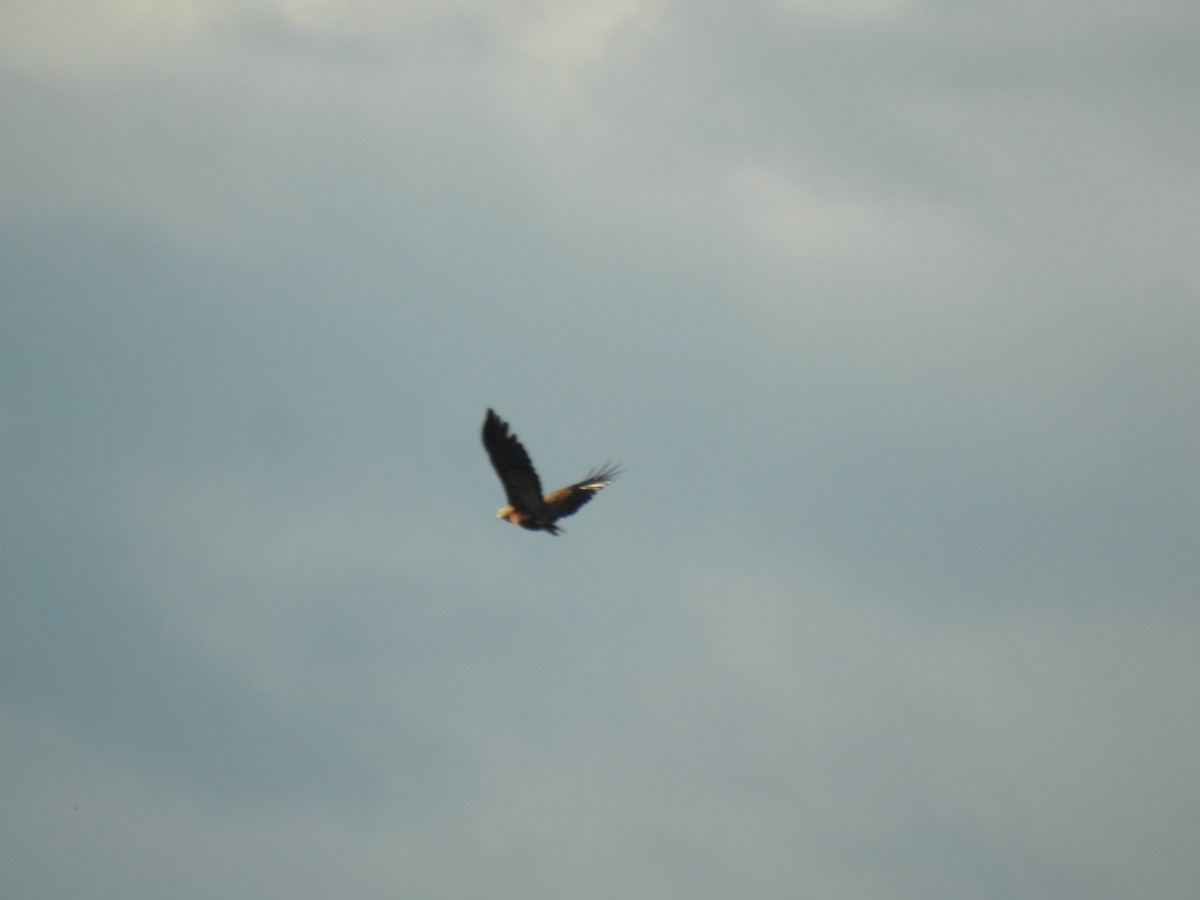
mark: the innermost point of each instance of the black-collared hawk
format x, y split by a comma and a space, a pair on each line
526, 505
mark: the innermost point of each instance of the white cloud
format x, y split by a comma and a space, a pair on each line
853, 11
808, 226
82, 41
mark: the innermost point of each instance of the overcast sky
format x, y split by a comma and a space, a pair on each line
890, 309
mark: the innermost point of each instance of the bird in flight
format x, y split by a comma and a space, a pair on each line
526, 505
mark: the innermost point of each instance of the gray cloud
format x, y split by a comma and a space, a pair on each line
888, 315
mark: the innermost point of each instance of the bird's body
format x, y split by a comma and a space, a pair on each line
527, 507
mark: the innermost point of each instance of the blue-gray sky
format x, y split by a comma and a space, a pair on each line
889, 308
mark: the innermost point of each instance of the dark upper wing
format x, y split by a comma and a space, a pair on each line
567, 500
512, 464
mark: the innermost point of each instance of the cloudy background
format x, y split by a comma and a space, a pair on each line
889, 308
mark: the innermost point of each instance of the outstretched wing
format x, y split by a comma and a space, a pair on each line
569, 499
511, 462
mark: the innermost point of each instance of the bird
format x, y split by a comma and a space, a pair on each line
526, 505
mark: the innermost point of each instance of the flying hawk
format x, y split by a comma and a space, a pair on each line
527, 507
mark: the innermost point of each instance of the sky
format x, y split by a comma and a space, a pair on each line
888, 308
